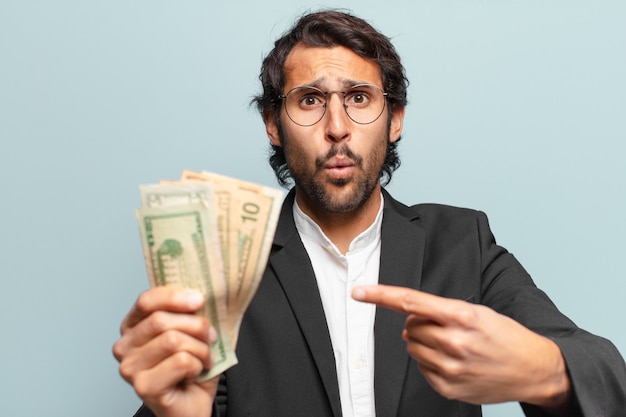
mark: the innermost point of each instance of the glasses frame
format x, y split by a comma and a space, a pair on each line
345, 106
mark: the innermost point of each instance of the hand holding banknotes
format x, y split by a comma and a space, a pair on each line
164, 348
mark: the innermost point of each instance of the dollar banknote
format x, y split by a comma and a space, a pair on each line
214, 234
254, 214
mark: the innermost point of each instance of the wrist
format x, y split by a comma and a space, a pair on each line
552, 391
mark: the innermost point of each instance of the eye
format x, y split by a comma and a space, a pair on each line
358, 98
310, 98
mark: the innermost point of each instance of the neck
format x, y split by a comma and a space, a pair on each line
342, 228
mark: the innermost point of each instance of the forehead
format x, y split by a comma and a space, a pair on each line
328, 68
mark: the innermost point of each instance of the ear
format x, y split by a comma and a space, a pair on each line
397, 120
271, 128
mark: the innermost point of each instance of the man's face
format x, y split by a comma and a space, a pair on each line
336, 162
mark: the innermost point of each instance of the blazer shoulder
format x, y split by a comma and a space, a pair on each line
443, 221
432, 213
443, 210
428, 210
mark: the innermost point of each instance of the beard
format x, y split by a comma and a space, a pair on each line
336, 195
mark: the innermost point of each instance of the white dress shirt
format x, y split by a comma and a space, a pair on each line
350, 323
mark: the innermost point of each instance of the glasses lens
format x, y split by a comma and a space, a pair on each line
363, 103
305, 105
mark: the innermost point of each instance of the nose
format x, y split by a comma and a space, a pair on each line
337, 121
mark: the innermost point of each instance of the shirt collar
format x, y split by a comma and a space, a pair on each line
307, 227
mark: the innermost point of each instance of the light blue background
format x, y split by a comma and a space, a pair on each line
516, 108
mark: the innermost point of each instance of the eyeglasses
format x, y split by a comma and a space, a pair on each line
306, 105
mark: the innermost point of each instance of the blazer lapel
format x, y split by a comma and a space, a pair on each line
295, 273
402, 253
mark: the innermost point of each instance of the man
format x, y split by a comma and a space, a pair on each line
461, 323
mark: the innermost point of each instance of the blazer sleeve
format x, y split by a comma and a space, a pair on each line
596, 368
146, 412
143, 412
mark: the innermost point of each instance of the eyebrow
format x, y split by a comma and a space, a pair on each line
345, 82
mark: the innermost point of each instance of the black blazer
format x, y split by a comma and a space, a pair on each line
286, 363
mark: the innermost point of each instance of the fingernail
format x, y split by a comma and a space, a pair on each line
194, 298
212, 335
358, 293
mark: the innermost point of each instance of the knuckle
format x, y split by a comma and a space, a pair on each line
184, 360
157, 322
126, 371
451, 370
142, 387
458, 345
170, 341
118, 350
143, 301
466, 315
407, 302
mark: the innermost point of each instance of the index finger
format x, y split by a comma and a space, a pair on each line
176, 300
407, 300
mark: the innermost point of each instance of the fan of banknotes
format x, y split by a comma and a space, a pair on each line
214, 234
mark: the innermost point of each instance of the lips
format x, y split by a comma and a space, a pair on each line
339, 168
338, 163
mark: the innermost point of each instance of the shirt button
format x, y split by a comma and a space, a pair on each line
358, 364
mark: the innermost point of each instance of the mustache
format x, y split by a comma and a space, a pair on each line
341, 149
